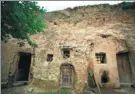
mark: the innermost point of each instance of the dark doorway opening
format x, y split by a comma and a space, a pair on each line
23, 70
104, 77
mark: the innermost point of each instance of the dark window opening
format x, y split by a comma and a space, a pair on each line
66, 53
104, 77
23, 70
101, 57
49, 57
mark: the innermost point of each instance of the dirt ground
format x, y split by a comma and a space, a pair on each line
29, 90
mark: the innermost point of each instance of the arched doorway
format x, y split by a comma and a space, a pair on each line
67, 75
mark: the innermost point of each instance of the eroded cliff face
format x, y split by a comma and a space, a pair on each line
78, 29
109, 29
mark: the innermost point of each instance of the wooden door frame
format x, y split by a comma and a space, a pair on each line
30, 68
124, 52
73, 75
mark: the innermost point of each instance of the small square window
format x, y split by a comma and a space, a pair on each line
49, 57
66, 53
101, 57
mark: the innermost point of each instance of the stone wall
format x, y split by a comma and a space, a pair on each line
79, 40
109, 30
10, 56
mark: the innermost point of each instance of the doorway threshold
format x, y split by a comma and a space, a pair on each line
18, 83
126, 84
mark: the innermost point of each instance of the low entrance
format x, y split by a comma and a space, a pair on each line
124, 67
23, 68
105, 77
67, 75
